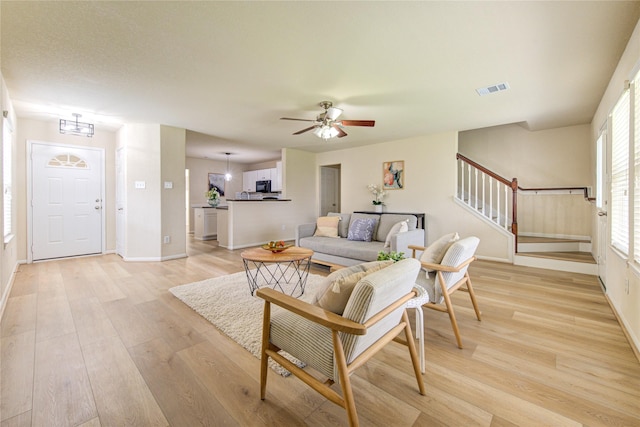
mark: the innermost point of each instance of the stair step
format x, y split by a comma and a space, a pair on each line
584, 257
535, 260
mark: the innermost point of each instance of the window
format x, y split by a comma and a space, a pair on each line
620, 175
7, 178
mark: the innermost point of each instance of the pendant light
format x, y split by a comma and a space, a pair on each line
227, 175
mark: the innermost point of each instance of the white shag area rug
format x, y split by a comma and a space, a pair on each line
227, 303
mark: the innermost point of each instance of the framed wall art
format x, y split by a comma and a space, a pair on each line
217, 180
393, 175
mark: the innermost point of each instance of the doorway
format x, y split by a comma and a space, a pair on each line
329, 189
65, 201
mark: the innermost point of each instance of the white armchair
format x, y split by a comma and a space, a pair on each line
336, 345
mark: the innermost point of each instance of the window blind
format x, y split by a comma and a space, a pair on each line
620, 174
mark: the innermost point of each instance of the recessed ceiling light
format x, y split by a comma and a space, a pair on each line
499, 87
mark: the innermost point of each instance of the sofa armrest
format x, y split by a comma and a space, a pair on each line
400, 242
304, 230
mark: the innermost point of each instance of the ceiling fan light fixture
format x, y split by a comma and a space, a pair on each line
325, 132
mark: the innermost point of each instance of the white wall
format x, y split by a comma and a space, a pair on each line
430, 186
618, 269
172, 164
155, 154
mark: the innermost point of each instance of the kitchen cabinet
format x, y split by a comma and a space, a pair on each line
206, 223
263, 175
274, 175
249, 181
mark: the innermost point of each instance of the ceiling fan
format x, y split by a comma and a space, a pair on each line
326, 124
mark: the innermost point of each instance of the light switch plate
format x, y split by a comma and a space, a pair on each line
168, 184
140, 184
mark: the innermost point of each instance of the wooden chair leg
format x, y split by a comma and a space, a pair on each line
345, 381
452, 317
412, 350
264, 358
473, 296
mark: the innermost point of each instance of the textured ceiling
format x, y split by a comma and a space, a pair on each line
227, 71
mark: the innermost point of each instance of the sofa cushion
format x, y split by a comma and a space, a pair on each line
399, 227
356, 216
343, 226
436, 251
364, 251
339, 284
389, 220
327, 226
362, 229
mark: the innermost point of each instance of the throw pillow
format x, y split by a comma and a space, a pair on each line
436, 251
327, 226
340, 285
362, 229
399, 227
343, 226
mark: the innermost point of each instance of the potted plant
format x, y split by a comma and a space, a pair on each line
379, 194
213, 197
394, 256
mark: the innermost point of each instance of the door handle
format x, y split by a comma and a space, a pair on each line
602, 213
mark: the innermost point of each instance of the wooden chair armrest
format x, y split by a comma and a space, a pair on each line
447, 268
312, 312
415, 248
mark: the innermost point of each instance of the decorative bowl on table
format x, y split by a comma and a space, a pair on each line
275, 247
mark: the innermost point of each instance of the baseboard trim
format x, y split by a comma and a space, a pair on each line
7, 291
635, 346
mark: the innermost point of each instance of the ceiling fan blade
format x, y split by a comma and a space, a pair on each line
299, 120
333, 113
304, 130
369, 123
341, 133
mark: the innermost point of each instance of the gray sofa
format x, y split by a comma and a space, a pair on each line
341, 251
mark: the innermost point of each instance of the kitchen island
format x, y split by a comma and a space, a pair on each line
247, 223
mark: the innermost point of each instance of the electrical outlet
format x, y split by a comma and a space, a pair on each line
167, 239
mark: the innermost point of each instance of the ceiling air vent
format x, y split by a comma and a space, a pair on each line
492, 89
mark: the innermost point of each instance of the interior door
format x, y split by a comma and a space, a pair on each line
329, 189
120, 203
66, 201
602, 199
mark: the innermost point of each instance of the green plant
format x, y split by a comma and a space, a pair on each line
394, 256
212, 194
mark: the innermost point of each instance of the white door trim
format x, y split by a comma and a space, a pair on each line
30, 144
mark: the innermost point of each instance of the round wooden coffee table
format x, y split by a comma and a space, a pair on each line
289, 269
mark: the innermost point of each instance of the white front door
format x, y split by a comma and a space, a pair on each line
66, 201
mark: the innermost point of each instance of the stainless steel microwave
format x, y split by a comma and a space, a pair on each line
263, 186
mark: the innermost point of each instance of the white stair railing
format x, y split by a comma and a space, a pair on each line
491, 195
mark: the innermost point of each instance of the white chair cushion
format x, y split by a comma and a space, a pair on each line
399, 227
435, 252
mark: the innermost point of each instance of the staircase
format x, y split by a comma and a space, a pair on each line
561, 245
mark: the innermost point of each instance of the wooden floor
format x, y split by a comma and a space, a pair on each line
98, 341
